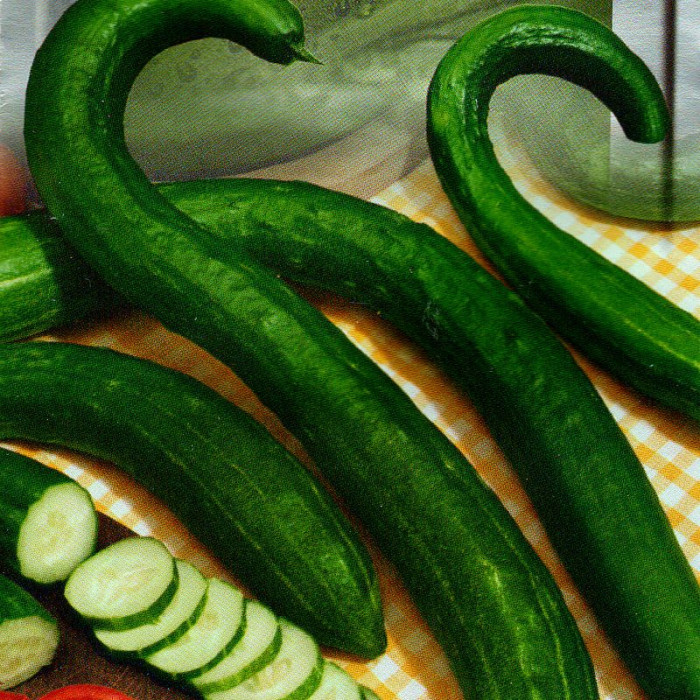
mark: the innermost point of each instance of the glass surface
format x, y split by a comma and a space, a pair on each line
356, 123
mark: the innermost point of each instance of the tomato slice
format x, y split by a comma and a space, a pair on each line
5, 695
85, 691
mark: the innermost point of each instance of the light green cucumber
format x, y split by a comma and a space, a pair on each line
259, 645
126, 585
29, 635
179, 615
48, 522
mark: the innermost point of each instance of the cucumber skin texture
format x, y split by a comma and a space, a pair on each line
278, 532
362, 252
16, 603
23, 481
381, 455
618, 321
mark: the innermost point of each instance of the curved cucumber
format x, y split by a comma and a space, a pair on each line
362, 251
235, 488
613, 318
48, 523
457, 549
28, 635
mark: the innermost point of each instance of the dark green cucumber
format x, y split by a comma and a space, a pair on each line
48, 522
611, 316
364, 252
42, 286
220, 472
461, 555
28, 635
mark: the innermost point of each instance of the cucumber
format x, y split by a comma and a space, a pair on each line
459, 552
276, 529
362, 251
48, 523
336, 684
28, 635
293, 674
368, 694
257, 648
128, 584
216, 631
180, 614
615, 319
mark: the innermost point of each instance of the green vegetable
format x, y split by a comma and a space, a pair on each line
459, 552
28, 635
175, 620
234, 487
365, 252
48, 523
616, 320
124, 586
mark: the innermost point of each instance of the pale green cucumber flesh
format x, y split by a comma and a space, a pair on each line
336, 684
29, 635
125, 585
257, 647
59, 533
173, 623
26, 646
216, 630
293, 674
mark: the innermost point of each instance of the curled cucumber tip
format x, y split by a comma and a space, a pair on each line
301, 53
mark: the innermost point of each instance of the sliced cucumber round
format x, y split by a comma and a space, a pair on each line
28, 635
125, 585
220, 625
336, 684
257, 648
294, 673
176, 619
58, 533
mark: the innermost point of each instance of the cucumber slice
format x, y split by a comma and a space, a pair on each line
294, 673
48, 523
125, 585
256, 649
177, 618
28, 635
218, 628
336, 684
58, 533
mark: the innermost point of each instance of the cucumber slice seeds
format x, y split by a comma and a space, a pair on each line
57, 534
177, 618
257, 648
208, 637
125, 585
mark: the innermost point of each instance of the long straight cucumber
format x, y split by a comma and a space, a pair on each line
28, 635
235, 488
507, 361
492, 604
612, 317
48, 523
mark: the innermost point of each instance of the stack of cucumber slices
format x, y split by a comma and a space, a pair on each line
144, 605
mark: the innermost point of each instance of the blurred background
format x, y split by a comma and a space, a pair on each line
356, 123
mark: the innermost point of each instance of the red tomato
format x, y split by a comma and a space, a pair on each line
5, 695
13, 184
85, 691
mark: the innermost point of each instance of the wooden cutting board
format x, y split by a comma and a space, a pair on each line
78, 661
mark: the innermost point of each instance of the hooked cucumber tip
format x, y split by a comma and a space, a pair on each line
301, 53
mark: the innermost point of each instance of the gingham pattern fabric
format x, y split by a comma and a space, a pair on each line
414, 668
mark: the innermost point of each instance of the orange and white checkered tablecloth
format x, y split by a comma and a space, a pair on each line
414, 668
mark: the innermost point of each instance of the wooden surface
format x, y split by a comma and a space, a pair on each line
77, 659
